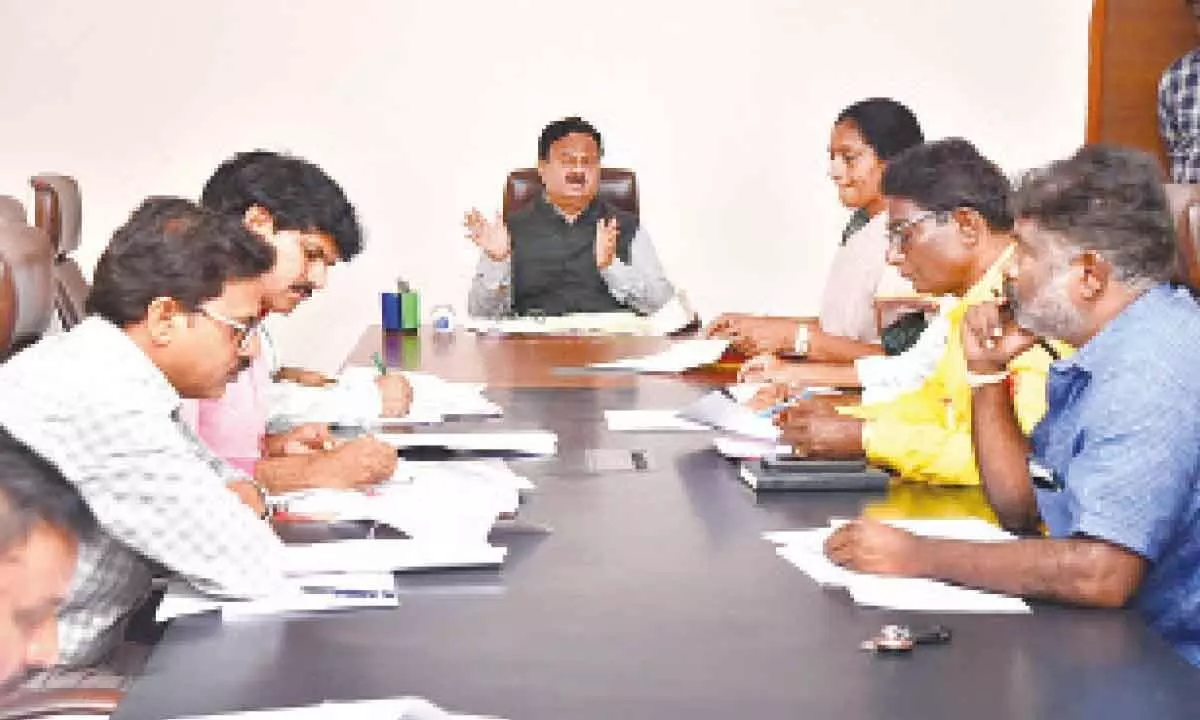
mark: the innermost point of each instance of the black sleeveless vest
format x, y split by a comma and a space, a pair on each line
554, 262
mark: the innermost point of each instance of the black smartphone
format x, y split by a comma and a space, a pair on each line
794, 463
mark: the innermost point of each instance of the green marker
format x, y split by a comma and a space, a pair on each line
379, 364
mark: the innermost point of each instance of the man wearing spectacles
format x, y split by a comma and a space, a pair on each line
300, 211
1111, 476
950, 234
171, 315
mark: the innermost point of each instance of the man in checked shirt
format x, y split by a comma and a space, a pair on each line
1179, 111
172, 313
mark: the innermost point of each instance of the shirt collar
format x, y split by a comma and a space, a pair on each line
562, 216
1134, 319
122, 354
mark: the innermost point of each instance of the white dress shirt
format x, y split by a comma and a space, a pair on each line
91, 403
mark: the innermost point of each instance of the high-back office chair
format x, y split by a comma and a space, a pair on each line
618, 187
1185, 211
28, 258
58, 209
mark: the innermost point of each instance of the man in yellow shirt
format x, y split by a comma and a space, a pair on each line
950, 233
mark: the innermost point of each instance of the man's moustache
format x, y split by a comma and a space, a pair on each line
303, 289
576, 178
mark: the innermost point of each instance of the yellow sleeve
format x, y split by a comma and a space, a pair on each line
933, 452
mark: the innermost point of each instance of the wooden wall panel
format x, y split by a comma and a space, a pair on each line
1132, 42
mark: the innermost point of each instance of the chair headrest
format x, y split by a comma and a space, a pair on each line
618, 187
12, 211
8, 308
58, 209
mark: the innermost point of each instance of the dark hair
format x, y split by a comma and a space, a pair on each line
948, 174
1110, 201
559, 129
31, 491
298, 194
171, 247
887, 126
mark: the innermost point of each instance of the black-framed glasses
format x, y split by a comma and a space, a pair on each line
242, 332
899, 234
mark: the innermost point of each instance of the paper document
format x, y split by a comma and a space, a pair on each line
717, 410
453, 502
641, 420
671, 317
532, 442
402, 708
387, 555
680, 356
805, 550
738, 448
310, 593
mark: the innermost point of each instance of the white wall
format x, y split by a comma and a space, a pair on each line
419, 109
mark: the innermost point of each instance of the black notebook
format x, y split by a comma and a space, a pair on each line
802, 474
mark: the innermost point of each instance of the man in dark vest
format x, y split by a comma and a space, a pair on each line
567, 251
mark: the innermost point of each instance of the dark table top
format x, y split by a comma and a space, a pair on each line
654, 596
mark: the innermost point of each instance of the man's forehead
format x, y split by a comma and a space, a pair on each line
575, 143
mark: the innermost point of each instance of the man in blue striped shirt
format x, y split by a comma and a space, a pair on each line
1112, 473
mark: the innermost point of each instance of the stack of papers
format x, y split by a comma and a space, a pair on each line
717, 410
673, 316
737, 448
403, 708
532, 442
642, 420
386, 555
680, 356
805, 550
447, 502
435, 400
315, 592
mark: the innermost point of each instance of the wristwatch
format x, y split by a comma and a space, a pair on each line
801, 344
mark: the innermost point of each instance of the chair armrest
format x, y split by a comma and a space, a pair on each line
32, 704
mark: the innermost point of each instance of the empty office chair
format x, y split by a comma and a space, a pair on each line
617, 187
58, 209
29, 259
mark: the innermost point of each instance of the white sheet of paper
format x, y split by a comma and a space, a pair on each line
680, 356
805, 550
738, 448
402, 708
387, 555
533, 442
642, 420
719, 411
312, 593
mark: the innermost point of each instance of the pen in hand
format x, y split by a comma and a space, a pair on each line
379, 364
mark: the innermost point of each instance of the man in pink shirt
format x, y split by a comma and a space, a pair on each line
306, 217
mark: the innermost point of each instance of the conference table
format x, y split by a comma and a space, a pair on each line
645, 590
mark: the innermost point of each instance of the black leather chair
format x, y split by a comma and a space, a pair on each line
29, 260
617, 186
58, 210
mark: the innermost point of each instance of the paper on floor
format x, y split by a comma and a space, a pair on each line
681, 355
805, 550
640, 420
